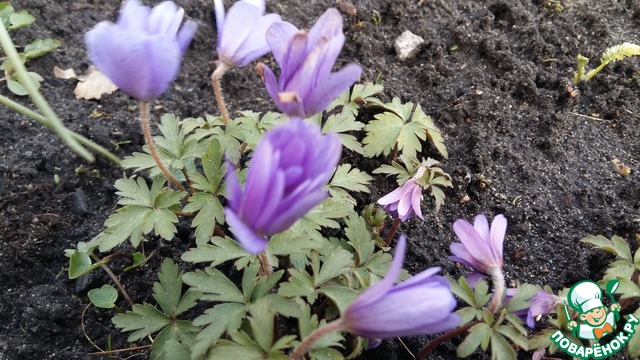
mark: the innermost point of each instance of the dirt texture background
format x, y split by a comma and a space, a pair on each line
493, 74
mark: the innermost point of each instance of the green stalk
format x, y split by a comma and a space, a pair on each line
65, 134
46, 122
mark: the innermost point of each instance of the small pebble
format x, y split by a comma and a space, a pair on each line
407, 45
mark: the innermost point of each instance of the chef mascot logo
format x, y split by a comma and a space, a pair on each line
595, 320
585, 297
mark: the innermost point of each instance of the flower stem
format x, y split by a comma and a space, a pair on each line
497, 278
144, 122
217, 88
265, 266
392, 231
40, 102
306, 344
114, 278
46, 122
442, 338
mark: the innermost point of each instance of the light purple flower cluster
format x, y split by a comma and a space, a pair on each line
480, 246
306, 85
286, 176
241, 33
421, 305
142, 51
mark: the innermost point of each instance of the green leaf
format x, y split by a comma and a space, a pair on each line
477, 334
342, 124
462, 290
40, 47
616, 245
382, 134
347, 179
337, 262
214, 285
226, 349
466, 315
359, 238
481, 293
300, 284
168, 290
340, 295
219, 251
520, 300
222, 318
500, 348
20, 19
139, 259
352, 99
514, 335
143, 320
323, 215
15, 85
104, 298
287, 243
6, 10
174, 341
80, 263
209, 213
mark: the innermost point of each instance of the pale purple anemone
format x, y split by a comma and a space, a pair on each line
480, 246
542, 303
420, 305
402, 202
242, 32
289, 168
306, 85
142, 51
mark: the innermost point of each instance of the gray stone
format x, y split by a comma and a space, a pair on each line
407, 45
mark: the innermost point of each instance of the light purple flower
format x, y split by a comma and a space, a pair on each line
420, 305
286, 176
141, 52
306, 85
480, 246
402, 202
542, 303
242, 32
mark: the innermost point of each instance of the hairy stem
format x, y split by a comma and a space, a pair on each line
40, 102
144, 122
217, 88
497, 278
265, 266
306, 344
442, 338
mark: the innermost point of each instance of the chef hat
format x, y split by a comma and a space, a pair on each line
585, 296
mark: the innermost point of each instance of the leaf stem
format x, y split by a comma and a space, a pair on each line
40, 102
392, 231
115, 280
217, 89
442, 338
144, 122
306, 344
46, 122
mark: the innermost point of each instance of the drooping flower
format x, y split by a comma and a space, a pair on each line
420, 305
542, 303
402, 202
480, 246
306, 85
142, 51
289, 168
242, 32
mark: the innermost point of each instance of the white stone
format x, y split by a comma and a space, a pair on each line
407, 45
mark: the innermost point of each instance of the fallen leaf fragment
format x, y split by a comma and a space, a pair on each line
92, 85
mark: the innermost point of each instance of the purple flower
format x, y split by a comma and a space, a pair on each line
480, 247
141, 52
289, 167
402, 202
542, 303
306, 85
421, 305
242, 32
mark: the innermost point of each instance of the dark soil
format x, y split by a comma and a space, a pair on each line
493, 74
